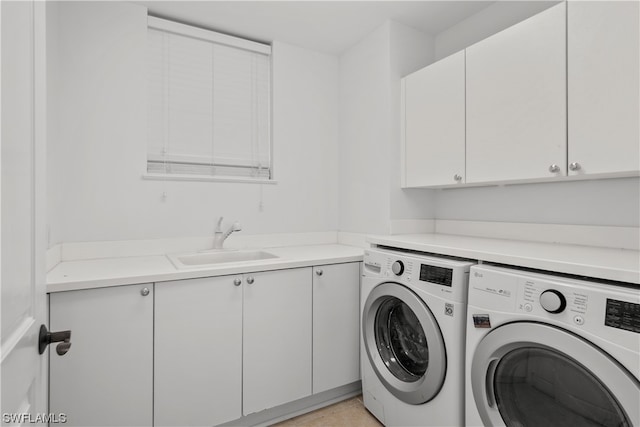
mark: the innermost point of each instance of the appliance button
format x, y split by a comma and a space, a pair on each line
553, 301
398, 268
528, 307
578, 320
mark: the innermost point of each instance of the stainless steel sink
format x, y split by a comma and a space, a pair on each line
209, 259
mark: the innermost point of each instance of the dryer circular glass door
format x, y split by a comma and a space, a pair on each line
533, 374
403, 343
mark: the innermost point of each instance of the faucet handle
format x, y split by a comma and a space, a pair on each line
219, 226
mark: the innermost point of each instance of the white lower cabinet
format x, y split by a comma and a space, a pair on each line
198, 352
230, 346
276, 338
336, 326
204, 351
106, 377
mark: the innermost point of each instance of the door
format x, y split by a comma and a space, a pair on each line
22, 272
521, 367
106, 378
336, 325
516, 101
198, 351
603, 83
276, 338
404, 343
434, 124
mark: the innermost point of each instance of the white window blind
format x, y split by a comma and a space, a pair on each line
208, 103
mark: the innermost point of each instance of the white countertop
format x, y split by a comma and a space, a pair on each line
98, 273
604, 263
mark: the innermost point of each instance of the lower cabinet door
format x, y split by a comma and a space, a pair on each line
336, 325
277, 338
198, 351
106, 377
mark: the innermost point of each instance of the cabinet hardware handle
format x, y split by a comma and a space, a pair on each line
575, 166
319, 272
250, 280
554, 168
144, 292
237, 282
45, 338
457, 177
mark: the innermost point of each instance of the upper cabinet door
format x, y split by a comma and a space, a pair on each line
516, 101
434, 124
604, 129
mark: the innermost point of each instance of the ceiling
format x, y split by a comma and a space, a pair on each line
325, 26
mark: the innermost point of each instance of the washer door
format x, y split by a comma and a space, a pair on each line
532, 374
404, 343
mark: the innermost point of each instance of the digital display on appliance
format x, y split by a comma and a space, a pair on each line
623, 315
438, 275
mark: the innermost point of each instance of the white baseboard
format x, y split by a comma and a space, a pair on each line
586, 235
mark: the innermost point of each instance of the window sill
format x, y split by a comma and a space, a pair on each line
204, 178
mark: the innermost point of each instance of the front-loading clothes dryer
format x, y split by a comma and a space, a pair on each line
548, 351
413, 310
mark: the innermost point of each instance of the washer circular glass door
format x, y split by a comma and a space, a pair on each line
533, 374
403, 343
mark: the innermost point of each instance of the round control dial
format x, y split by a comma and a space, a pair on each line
397, 268
553, 301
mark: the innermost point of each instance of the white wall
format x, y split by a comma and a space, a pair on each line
603, 202
364, 109
612, 202
98, 148
410, 50
370, 71
490, 20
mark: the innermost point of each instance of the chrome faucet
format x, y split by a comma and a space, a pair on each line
220, 236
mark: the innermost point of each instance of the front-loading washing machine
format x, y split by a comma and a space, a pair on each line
544, 350
413, 309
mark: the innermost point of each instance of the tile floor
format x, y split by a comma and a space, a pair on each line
350, 413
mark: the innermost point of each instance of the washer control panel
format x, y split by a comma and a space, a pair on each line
536, 296
553, 301
442, 276
397, 267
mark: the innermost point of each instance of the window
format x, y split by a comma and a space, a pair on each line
208, 104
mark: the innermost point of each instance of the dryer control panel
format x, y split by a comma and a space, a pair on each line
602, 309
542, 296
623, 315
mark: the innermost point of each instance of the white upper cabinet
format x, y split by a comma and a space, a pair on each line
516, 101
603, 75
434, 124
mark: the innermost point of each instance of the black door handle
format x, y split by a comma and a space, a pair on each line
46, 338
